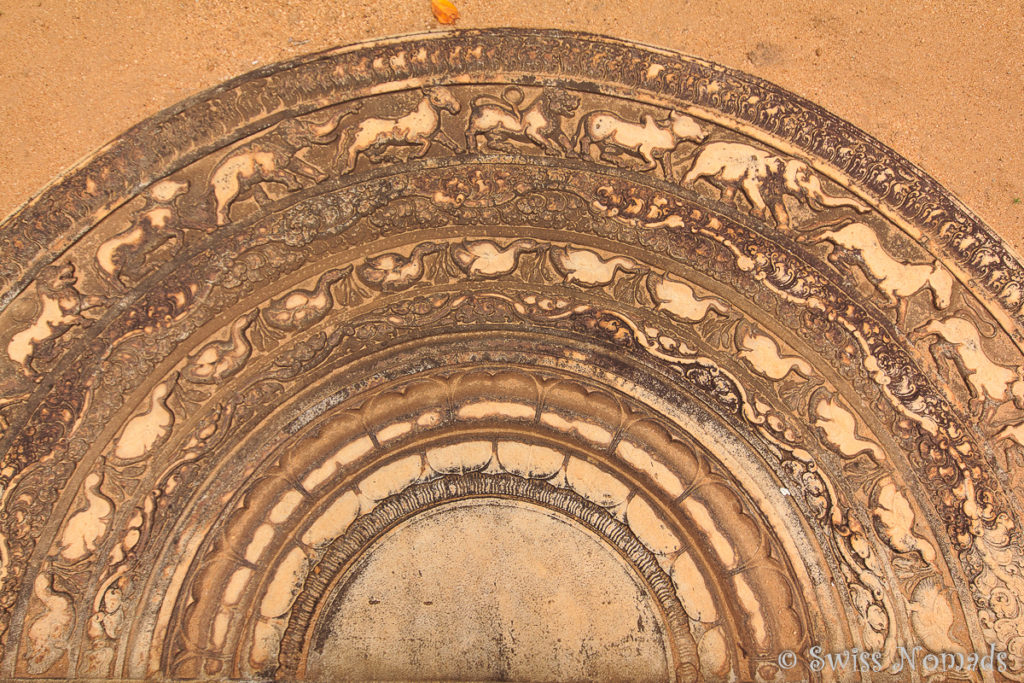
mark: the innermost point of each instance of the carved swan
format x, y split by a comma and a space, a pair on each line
484, 258
587, 268
302, 308
394, 272
219, 360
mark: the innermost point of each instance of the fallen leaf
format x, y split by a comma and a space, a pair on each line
444, 11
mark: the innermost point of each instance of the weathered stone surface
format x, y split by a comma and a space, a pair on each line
304, 340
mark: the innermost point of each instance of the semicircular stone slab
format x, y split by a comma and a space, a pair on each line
506, 354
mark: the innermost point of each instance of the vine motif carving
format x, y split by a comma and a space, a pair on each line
666, 246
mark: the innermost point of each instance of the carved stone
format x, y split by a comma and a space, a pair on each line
505, 354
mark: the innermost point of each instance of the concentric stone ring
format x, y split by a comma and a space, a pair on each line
504, 354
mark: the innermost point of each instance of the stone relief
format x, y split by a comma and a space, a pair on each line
894, 279
419, 127
651, 142
784, 386
485, 258
302, 308
987, 380
59, 308
218, 360
151, 227
763, 178
271, 158
540, 122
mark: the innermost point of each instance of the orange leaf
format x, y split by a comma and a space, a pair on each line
444, 11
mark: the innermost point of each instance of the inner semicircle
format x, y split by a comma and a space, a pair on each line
490, 589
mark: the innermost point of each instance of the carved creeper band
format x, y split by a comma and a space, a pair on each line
704, 348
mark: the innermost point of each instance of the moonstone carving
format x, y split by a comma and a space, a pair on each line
606, 314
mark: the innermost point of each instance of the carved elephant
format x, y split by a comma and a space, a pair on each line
764, 178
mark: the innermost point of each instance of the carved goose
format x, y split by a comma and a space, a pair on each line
484, 258
148, 428
302, 308
680, 300
394, 272
219, 360
587, 268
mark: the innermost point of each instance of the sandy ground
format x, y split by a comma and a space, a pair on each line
940, 82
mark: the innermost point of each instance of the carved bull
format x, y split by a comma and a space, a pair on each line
652, 142
735, 166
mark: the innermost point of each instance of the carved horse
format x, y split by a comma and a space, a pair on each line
155, 224
421, 126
